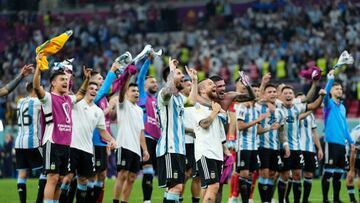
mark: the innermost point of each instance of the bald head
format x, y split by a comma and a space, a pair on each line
207, 88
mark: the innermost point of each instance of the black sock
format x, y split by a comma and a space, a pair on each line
147, 186
243, 190
262, 188
351, 193
181, 199
116, 201
248, 184
164, 199
97, 191
72, 190
307, 189
123, 202
325, 184
336, 185
288, 191
297, 191
195, 199
281, 190
90, 195
41, 187
64, 193
270, 190
81, 193
170, 201
22, 192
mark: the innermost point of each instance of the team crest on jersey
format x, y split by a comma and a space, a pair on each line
212, 175
242, 163
290, 119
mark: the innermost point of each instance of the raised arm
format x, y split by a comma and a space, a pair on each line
264, 81
194, 86
316, 104
109, 79
39, 91
329, 84
206, 122
141, 81
311, 93
82, 91
25, 70
169, 87
123, 89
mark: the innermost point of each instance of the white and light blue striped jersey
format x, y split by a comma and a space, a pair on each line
355, 135
247, 138
171, 114
28, 114
292, 126
270, 139
306, 135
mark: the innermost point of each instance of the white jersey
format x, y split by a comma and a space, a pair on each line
189, 123
208, 141
171, 113
307, 137
130, 125
355, 135
292, 126
28, 115
85, 119
247, 138
270, 139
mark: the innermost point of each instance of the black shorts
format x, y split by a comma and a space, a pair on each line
210, 171
82, 163
247, 160
100, 158
128, 160
28, 159
56, 158
151, 146
190, 162
171, 169
269, 158
357, 164
293, 162
310, 161
335, 156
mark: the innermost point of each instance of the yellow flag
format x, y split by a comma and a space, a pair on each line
52, 46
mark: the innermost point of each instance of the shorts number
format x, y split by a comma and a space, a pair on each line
23, 117
279, 161
301, 159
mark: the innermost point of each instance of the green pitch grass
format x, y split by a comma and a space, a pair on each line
8, 192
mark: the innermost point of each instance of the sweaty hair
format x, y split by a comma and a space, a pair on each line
216, 78
287, 87
94, 72
299, 94
29, 87
269, 85
255, 85
132, 84
336, 83
55, 74
165, 73
93, 83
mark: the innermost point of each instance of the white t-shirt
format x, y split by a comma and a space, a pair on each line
208, 141
85, 119
189, 123
130, 124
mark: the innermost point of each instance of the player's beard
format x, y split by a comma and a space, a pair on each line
152, 91
179, 86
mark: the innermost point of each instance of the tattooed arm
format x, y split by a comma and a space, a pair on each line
26, 70
205, 123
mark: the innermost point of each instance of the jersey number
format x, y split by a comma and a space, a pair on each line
23, 117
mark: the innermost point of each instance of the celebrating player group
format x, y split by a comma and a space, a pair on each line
188, 129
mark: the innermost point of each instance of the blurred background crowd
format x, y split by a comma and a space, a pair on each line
216, 37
